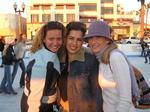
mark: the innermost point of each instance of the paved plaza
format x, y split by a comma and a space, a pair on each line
11, 103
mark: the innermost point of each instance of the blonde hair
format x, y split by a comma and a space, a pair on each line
5, 49
106, 54
37, 42
41, 34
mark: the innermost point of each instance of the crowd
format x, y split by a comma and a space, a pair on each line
64, 76
12, 51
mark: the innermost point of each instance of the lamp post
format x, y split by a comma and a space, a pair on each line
19, 12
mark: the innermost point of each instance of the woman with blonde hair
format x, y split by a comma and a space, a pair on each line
114, 70
40, 92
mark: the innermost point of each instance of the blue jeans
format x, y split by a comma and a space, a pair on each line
6, 84
15, 69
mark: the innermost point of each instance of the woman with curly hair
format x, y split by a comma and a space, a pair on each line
43, 70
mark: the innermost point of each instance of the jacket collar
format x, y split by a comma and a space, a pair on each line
79, 56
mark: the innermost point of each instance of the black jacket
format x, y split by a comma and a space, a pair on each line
8, 57
2, 46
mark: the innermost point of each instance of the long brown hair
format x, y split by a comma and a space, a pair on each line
106, 54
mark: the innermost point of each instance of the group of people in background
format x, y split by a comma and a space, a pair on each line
145, 52
12, 56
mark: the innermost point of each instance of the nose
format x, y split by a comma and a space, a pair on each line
74, 42
55, 42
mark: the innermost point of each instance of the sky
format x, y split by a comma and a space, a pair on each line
6, 6
127, 4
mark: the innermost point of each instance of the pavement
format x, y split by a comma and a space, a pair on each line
11, 103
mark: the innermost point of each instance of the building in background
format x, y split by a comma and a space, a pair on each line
12, 25
42, 11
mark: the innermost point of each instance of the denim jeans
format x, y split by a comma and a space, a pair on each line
15, 69
6, 84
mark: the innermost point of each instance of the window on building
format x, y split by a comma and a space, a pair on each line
46, 7
70, 6
35, 7
87, 19
70, 17
34, 18
121, 31
46, 17
59, 17
87, 7
107, 10
59, 7
107, 1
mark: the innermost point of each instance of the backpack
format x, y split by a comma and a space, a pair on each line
144, 100
139, 87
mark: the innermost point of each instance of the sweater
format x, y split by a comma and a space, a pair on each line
115, 82
19, 50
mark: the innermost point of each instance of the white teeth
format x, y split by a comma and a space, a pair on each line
55, 47
73, 47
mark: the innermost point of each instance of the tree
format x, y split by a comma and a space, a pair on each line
142, 2
142, 17
147, 7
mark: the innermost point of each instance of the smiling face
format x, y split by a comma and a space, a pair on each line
97, 43
53, 40
74, 41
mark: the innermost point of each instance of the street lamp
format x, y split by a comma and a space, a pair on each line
19, 12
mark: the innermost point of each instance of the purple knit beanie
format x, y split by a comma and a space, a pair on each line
98, 28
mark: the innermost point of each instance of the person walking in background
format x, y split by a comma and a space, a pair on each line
43, 70
19, 50
81, 89
143, 52
147, 49
114, 71
2, 44
8, 56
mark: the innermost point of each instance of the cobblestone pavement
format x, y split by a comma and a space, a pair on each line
11, 103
